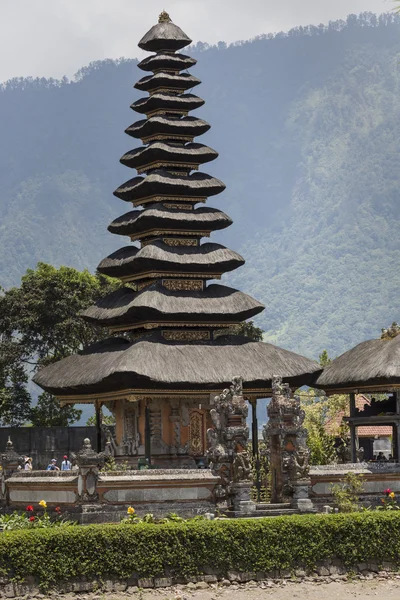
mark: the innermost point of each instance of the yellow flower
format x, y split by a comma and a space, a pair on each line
43, 503
131, 510
392, 495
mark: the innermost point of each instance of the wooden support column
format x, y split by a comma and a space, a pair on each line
97, 406
147, 434
353, 446
254, 443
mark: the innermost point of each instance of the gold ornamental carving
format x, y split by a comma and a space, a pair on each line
186, 336
167, 165
196, 433
190, 285
181, 242
156, 275
165, 198
180, 206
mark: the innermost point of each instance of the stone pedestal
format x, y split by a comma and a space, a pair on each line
301, 495
241, 497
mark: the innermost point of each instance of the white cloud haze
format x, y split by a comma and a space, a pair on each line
52, 38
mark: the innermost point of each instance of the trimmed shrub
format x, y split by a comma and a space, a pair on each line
195, 547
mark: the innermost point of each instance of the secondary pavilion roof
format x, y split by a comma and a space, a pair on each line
370, 366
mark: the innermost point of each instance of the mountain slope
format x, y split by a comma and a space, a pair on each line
307, 127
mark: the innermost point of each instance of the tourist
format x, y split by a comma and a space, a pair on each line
381, 457
66, 465
52, 466
28, 464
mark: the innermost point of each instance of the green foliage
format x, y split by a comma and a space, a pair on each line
39, 324
49, 413
192, 547
246, 329
105, 419
31, 520
324, 359
317, 414
111, 466
347, 493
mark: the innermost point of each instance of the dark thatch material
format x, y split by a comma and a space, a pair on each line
175, 62
158, 217
181, 82
192, 153
151, 362
216, 304
163, 183
167, 102
208, 259
164, 36
375, 362
162, 125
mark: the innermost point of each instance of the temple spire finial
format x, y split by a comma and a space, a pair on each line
164, 17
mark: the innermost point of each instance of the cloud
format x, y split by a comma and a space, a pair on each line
57, 37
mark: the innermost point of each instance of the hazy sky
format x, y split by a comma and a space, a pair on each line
57, 37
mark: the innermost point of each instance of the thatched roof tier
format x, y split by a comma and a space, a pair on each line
167, 103
164, 36
215, 304
168, 128
152, 363
167, 81
371, 365
162, 155
207, 259
140, 223
165, 61
161, 183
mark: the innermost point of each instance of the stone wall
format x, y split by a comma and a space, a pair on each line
45, 443
182, 491
376, 478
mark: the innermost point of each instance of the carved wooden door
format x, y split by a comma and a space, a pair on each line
197, 433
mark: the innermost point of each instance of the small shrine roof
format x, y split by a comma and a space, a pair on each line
163, 60
164, 36
167, 102
163, 125
181, 82
371, 364
191, 153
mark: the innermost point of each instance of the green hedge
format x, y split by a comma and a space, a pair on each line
195, 547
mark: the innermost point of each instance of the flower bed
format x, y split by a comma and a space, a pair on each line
193, 548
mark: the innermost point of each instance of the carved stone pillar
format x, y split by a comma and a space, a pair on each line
10, 461
175, 421
227, 452
89, 462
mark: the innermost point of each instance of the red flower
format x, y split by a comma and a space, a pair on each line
57, 509
31, 518
387, 492
29, 508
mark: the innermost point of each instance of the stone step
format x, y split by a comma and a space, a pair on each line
261, 514
268, 506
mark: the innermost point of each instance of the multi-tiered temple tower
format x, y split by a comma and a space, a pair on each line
157, 378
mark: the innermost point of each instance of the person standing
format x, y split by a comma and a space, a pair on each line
52, 466
28, 464
66, 465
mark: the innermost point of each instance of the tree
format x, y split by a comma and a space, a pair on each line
39, 324
49, 413
324, 359
105, 419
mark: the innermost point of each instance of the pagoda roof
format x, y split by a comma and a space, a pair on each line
161, 183
152, 363
156, 152
168, 126
215, 304
170, 81
371, 364
164, 36
158, 217
167, 102
157, 256
164, 60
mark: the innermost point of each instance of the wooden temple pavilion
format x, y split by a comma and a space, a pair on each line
371, 367
163, 360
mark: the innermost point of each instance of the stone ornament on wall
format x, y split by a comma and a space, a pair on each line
10, 462
89, 462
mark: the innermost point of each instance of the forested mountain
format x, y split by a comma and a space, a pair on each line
307, 125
